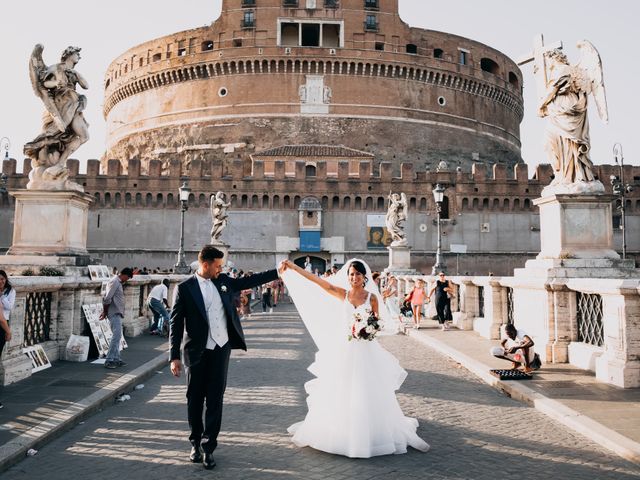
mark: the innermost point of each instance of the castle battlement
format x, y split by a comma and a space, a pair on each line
247, 185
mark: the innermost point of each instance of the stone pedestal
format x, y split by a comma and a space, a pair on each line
399, 260
224, 248
50, 223
576, 227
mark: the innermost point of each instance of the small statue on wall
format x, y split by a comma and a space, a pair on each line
564, 104
64, 127
218, 216
396, 216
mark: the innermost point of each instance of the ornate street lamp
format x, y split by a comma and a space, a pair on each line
438, 196
620, 189
5, 144
181, 267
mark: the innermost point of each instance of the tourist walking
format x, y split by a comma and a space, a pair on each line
417, 299
8, 300
113, 309
443, 290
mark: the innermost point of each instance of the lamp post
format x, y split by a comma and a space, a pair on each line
620, 189
181, 267
438, 196
5, 144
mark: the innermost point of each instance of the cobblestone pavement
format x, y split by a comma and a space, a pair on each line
475, 432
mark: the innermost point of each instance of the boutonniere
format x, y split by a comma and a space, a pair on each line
223, 288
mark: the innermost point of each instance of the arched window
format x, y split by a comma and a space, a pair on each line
412, 203
465, 203
310, 170
438, 53
513, 80
234, 200
369, 204
490, 66
118, 199
276, 201
516, 204
244, 202
287, 201
475, 204
496, 204
335, 203
412, 49
380, 203
207, 45
358, 203
202, 200
423, 205
505, 204
265, 201
296, 201
346, 203
325, 202
159, 199
485, 204
254, 201
127, 199
138, 199
527, 204
170, 200
107, 199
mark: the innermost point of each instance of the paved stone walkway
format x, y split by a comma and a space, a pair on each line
474, 431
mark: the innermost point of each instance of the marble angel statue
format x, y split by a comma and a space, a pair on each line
396, 216
64, 127
218, 216
564, 104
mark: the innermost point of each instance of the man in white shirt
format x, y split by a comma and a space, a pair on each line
517, 347
204, 315
157, 303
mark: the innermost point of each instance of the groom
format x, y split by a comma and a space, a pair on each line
204, 307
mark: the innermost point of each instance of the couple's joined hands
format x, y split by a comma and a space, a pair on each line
284, 265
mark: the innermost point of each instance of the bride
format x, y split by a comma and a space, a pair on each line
352, 407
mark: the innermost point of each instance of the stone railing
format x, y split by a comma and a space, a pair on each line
593, 324
49, 309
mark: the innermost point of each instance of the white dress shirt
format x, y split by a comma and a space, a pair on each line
218, 334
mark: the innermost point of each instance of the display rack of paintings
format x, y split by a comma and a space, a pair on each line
99, 272
100, 329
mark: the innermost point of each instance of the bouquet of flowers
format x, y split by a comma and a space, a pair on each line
365, 328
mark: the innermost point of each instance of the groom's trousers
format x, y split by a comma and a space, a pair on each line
206, 382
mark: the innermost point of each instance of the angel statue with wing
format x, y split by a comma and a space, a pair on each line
565, 105
219, 216
64, 127
396, 215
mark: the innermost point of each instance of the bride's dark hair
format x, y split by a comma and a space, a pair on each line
360, 268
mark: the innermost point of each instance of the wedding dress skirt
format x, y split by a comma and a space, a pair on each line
352, 405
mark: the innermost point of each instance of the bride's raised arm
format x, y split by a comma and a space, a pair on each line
326, 286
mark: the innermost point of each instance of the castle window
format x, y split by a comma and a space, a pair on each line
513, 80
290, 3
330, 3
207, 46
310, 170
490, 66
289, 34
380, 46
157, 57
463, 56
310, 34
248, 20
294, 33
248, 3
444, 213
371, 23
237, 42
412, 49
438, 53
371, 4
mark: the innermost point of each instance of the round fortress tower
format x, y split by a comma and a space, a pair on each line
270, 73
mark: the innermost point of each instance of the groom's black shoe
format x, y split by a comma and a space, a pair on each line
196, 455
208, 461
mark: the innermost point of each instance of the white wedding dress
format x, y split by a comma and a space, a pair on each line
352, 406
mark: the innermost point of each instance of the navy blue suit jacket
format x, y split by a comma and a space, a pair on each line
189, 318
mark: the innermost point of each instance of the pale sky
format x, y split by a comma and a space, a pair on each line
104, 30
